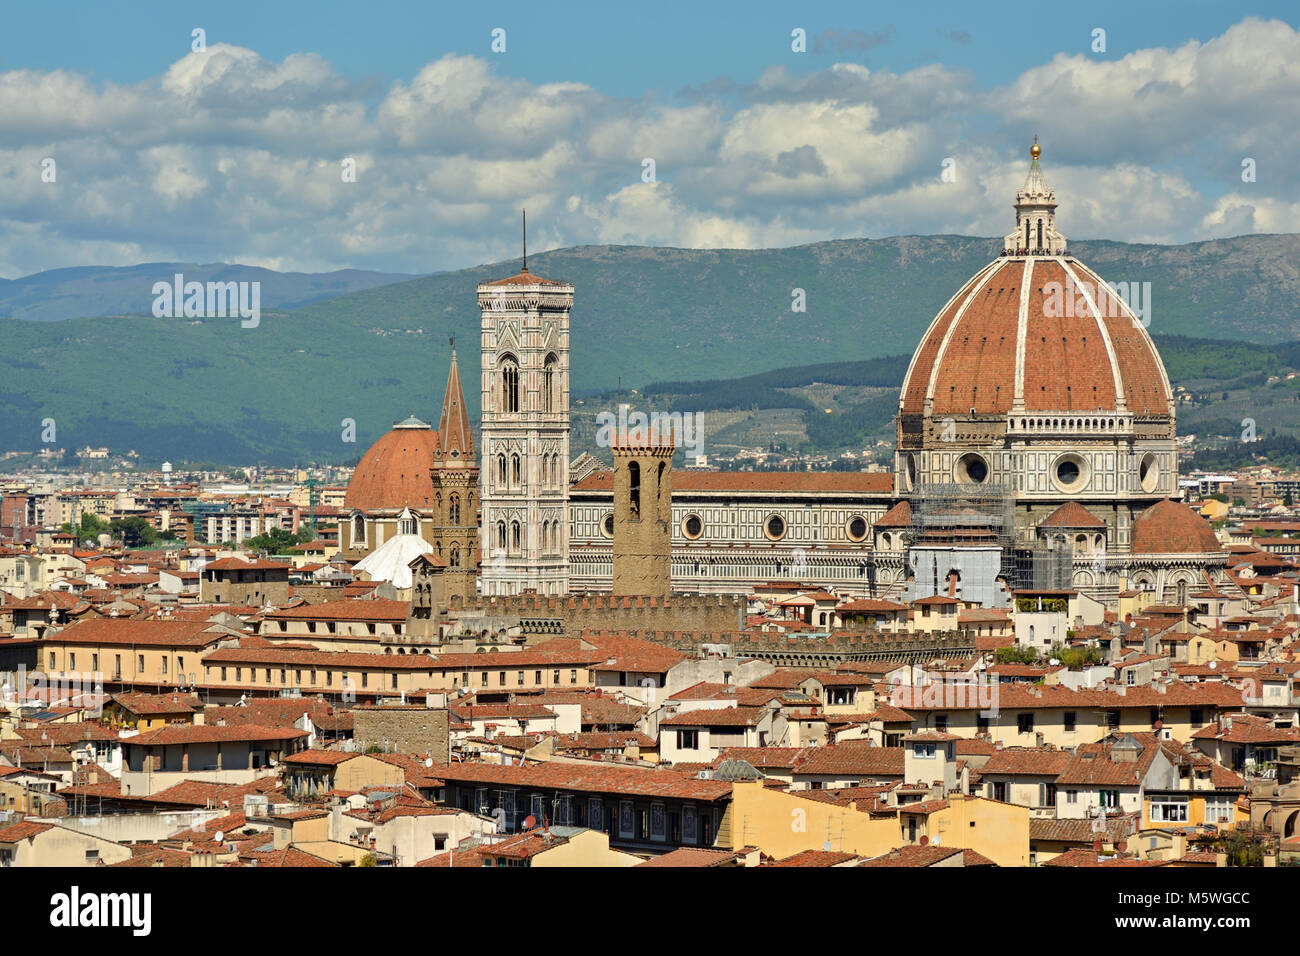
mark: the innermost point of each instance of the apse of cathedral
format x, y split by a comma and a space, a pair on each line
1035, 450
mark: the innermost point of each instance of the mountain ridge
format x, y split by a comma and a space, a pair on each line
206, 389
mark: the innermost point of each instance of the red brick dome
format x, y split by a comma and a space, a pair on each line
394, 473
1170, 527
1079, 348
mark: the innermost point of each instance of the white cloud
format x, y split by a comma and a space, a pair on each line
228, 154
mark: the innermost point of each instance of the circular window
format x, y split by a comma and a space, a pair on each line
774, 527
607, 525
1070, 473
857, 528
1149, 472
972, 469
692, 526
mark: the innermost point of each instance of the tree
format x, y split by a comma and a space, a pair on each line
275, 541
134, 532
1017, 654
90, 528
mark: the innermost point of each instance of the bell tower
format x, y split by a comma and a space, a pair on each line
643, 513
525, 434
455, 478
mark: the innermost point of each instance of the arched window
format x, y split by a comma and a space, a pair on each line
358, 530
659, 484
516, 536
501, 471
515, 472
1026, 233
501, 535
454, 556
509, 384
634, 480
550, 384
453, 509
1040, 234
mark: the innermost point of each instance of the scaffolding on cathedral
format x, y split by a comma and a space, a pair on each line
962, 541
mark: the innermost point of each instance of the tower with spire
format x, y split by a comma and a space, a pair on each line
525, 433
454, 475
1035, 232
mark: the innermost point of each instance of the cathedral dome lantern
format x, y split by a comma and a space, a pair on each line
1035, 232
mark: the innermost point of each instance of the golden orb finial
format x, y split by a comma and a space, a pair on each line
1035, 150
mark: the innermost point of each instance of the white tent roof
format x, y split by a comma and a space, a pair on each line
389, 561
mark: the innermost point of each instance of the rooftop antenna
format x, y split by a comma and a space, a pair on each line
525, 269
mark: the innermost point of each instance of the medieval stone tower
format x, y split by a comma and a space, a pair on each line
455, 493
525, 466
643, 513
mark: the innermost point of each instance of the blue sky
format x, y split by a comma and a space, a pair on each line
622, 49
233, 153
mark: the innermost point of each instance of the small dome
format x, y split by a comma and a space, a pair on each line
1072, 515
1170, 527
394, 473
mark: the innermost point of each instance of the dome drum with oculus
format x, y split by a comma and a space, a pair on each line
774, 527
1071, 473
971, 469
1149, 473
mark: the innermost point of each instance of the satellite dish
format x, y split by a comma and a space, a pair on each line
1213, 665
1053, 662
220, 836
530, 821
428, 762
